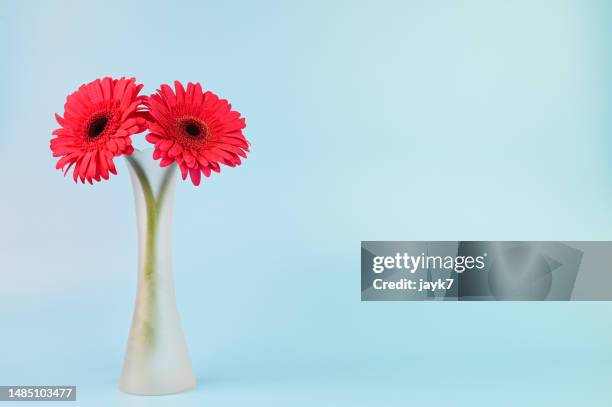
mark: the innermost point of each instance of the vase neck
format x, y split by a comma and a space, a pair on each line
146, 173
153, 188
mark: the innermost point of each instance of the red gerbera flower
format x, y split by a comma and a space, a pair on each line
195, 129
99, 120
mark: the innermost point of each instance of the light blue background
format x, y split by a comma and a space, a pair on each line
414, 120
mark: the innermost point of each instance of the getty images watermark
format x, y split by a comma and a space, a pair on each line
485, 271
411, 264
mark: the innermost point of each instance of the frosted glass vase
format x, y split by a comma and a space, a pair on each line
156, 360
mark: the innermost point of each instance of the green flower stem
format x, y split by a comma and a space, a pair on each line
149, 254
153, 207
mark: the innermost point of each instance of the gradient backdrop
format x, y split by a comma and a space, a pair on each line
408, 120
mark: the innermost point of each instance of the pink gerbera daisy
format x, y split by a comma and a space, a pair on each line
195, 129
99, 120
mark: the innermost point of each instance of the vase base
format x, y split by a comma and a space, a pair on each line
160, 391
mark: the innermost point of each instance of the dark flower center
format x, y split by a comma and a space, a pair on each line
97, 126
193, 129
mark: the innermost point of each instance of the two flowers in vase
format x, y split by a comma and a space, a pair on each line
190, 129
